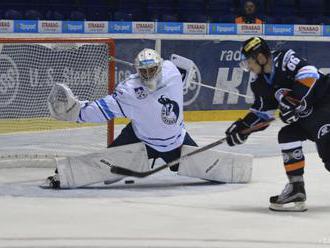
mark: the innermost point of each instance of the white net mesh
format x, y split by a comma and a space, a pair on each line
27, 73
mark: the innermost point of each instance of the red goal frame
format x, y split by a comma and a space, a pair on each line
111, 66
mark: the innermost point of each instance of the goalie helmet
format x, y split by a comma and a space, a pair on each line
148, 64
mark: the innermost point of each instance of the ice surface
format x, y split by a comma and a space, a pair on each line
167, 210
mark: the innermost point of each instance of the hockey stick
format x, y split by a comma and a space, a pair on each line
127, 172
111, 58
219, 89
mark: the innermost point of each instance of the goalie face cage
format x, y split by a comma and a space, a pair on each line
28, 70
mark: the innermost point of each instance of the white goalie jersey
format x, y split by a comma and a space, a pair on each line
157, 117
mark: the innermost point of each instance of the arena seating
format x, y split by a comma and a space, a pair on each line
271, 11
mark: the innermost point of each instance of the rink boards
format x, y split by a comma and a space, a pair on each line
45, 124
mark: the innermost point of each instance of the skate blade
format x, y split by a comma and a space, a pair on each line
47, 185
289, 207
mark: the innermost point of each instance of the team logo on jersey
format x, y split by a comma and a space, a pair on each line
116, 93
304, 110
325, 129
170, 110
140, 93
298, 154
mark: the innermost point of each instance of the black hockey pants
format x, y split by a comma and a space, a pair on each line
315, 127
127, 136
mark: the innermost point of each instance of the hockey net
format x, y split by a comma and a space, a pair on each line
28, 70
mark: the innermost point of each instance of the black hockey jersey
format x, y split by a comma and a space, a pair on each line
291, 72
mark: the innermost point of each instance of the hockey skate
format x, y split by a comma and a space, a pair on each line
52, 182
292, 198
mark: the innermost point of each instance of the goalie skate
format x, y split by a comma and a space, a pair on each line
292, 199
52, 182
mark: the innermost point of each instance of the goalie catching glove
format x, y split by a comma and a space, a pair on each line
62, 104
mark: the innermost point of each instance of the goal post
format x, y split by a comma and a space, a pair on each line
29, 67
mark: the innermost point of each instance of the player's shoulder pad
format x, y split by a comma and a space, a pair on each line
282, 57
286, 56
130, 81
170, 66
130, 78
126, 87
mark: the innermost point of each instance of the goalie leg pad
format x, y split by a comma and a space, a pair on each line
93, 168
75, 172
217, 166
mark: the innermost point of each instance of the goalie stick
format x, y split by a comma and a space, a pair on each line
127, 172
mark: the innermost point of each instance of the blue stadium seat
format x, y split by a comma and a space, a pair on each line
311, 7
33, 14
54, 15
222, 6
136, 10
283, 7
98, 13
191, 5
156, 10
132, 15
321, 20
192, 11
161, 4
129, 5
272, 20
122, 16
229, 18
193, 17
169, 18
77, 15
153, 15
62, 2
13, 14
293, 20
94, 3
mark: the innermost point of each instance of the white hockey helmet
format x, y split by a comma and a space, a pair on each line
148, 64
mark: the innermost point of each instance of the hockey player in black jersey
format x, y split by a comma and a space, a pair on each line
289, 83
